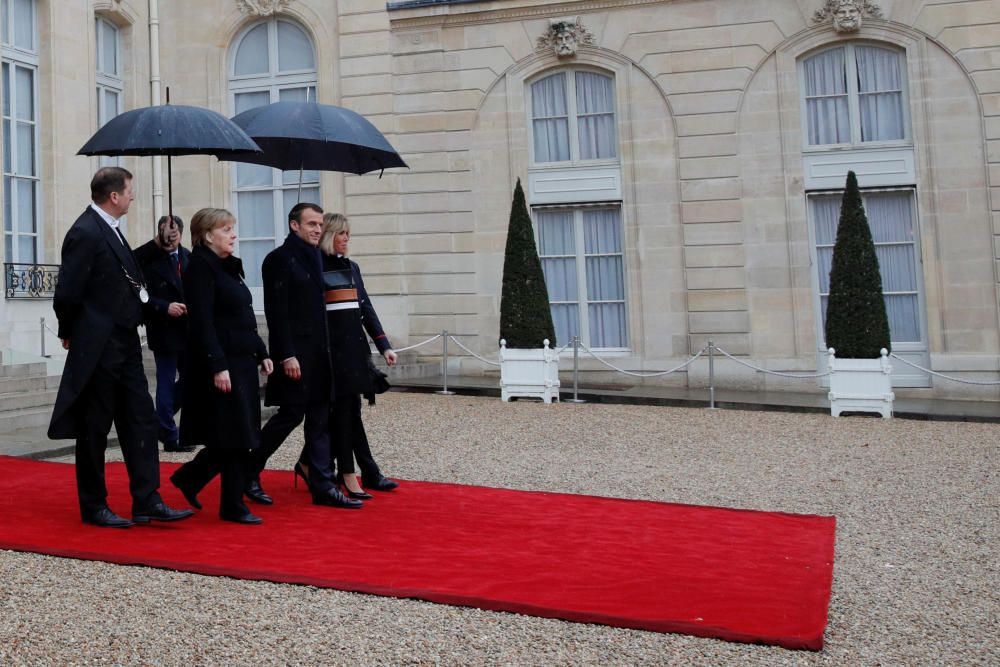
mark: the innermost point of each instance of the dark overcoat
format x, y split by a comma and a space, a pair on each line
163, 332
222, 335
92, 295
296, 323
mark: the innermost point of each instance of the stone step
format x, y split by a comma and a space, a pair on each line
23, 370
20, 400
23, 384
13, 420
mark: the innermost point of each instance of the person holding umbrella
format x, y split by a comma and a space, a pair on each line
222, 395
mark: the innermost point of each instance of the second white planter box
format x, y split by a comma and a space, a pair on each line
861, 385
533, 373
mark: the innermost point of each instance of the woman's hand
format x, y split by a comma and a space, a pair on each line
222, 382
390, 357
266, 367
292, 368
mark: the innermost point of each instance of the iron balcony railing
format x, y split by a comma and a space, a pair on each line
30, 281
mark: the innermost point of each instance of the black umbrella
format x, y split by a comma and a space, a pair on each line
170, 129
307, 135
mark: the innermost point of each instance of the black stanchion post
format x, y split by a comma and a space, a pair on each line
444, 365
711, 375
42, 332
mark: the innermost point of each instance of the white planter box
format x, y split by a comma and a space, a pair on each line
861, 385
532, 373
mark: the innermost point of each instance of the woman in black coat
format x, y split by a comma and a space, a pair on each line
349, 315
222, 396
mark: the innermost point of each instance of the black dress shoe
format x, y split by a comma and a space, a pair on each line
189, 494
177, 447
334, 498
246, 519
380, 483
159, 512
256, 493
105, 518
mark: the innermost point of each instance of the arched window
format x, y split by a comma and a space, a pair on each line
21, 195
271, 61
573, 117
109, 77
854, 94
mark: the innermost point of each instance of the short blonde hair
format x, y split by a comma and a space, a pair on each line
206, 220
333, 224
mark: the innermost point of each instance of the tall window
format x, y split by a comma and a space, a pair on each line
573, 117
109, 78
19, 46
272, 61
581, 253
890, 216
854, 94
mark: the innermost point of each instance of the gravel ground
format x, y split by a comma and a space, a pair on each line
915, 582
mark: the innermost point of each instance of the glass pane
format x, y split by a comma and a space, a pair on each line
888, 216
110, 109
880, 87
251, 56
252, 175
256, 214
882, 117
607, 324
292, 177
25, 160
824, 262
595, 105
26, 249
5, 20
895, 263
6, 89
601, 231
247, 101
551, 140
595, 93
304, 94
904, 320
252, 253
560, 278
825, 73
8, 253
295, 50
879, 69
291, 197
550, 126
25, 216
22, 15
555, 233
826, 217
24, 98
8, 219
605, 278
566, 318
108, 58
6, 147
827, 120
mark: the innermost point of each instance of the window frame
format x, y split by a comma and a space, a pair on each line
108, 82
853, 98
18, 57
572, 119
580, 256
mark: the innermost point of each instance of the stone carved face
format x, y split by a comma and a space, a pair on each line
847, 18
564, 41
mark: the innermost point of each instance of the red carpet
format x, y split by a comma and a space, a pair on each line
739, 575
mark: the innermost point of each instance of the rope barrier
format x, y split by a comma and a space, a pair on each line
411, 347
946, 377
485, 361
645, 375
764, 370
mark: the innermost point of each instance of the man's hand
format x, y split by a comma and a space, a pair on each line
176, 309
222, 382
65, 343
292, 368
266, 367
390, 357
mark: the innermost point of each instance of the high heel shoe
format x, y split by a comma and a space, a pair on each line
300, 470
357, 495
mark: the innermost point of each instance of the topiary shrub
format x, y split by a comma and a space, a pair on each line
856, 323
525, 317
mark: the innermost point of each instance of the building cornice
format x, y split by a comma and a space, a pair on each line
454, 13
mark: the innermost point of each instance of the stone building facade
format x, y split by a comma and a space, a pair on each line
682, 159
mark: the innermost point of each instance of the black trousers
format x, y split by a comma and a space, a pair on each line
117, 393
348, 438
231, 467
316, 453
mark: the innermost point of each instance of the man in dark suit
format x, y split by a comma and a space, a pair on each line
163, 261
302, 383
98, 302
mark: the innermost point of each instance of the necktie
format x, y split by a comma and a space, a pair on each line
176, 257
121, 237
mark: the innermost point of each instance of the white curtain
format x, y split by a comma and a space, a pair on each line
595, 108
295, 50
557, 250
605, 277
827, 116
880, 93
252, 55
550, 122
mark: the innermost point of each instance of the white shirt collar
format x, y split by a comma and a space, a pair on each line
105, 216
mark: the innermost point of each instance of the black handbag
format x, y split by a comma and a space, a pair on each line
379, 381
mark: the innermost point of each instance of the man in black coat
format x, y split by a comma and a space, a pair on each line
302, 383
163, 261
98, 303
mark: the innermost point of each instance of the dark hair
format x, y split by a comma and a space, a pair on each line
106, 181
295, 215
177, 221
